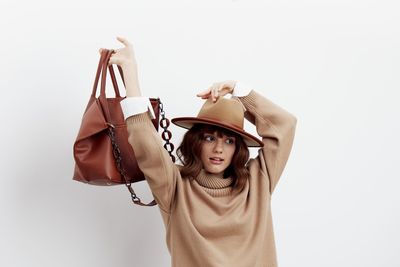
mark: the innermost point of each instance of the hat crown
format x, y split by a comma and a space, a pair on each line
228, 111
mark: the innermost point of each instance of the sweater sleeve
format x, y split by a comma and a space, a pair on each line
154, 161
276, 126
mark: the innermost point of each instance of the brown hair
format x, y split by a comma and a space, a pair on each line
189, 153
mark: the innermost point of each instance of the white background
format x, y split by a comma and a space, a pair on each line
334, 64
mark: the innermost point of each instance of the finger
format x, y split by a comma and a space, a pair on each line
101, 50
217, 91
222, 90
204, 95
200, 94
215, 94
206, 92
123, 40
110, 61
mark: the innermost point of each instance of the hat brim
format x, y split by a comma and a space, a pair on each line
187, 123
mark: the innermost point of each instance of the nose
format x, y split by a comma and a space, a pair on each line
218, 145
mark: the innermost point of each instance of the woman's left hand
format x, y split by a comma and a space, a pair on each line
124, 57
218, 89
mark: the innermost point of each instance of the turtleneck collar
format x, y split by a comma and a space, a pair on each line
214, 184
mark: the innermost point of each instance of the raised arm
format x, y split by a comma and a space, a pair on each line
153, 160
276, 126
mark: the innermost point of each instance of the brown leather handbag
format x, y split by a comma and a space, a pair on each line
102, 153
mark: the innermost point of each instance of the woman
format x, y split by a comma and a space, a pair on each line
216, 207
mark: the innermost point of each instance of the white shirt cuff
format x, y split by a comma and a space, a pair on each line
241, 89
136, 104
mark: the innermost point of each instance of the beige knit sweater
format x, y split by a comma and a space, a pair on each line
205, 224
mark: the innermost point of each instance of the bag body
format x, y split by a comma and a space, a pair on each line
102, 153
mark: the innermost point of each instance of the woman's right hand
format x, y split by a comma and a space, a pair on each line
124, 57
218, 89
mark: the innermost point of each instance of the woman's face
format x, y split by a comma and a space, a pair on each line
217, 152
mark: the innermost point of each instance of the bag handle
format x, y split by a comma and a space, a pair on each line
103, 58
102, 97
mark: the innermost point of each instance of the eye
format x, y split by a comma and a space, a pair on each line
208, 137
230, 141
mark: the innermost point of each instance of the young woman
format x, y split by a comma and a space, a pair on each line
216, 206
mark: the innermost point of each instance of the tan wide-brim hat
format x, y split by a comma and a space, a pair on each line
225, 113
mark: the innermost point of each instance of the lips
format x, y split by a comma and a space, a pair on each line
216, 161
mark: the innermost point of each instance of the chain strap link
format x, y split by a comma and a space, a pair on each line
166, 136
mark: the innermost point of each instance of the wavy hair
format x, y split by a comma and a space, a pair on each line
189, 153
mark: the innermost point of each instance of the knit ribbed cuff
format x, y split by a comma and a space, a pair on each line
142, 119
249, 99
